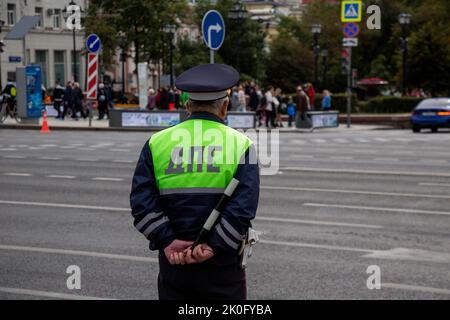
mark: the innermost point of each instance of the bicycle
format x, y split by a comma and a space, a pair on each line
10, 109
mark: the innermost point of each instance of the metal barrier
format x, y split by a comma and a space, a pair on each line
319, 119
161, 119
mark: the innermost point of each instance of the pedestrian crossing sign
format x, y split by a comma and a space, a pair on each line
351, 11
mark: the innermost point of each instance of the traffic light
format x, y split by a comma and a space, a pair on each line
1, 47
345, 61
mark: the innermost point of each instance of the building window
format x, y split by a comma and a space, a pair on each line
11, 14
57, 19
38, 12
41, 59
76, 76
60, 66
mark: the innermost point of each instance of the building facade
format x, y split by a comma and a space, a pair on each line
50, 44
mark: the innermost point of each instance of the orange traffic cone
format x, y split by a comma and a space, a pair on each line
45, 128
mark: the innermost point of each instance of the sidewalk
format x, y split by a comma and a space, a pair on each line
103, 125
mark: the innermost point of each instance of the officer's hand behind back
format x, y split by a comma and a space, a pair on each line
201, 253
175, 251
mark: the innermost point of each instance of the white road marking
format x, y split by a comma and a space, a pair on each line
411, 254
86, 149
371, 172
301, 156
371, 193
341, 140
319, 141
14, 174
14, 157
386, 159
87, 160
341, 158
8, 149
433, 161
48, 294
55, 176
119, 150
49, 158
62, 205
314, 246
381, 209
123, 161
107, 179
78, 253
67, 147
428, 184
320, 223
415, 288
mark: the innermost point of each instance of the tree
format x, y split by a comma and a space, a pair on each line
289, 64
140, 22
429, 62
244, 43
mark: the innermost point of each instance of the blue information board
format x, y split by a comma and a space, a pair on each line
34, 91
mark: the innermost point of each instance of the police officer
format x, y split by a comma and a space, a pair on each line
181, 175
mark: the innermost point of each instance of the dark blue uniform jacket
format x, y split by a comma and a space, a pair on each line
163, 218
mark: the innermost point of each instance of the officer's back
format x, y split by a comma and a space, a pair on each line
181, 175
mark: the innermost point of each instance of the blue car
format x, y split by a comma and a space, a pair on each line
431, 114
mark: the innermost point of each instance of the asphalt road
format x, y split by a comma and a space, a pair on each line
341, 201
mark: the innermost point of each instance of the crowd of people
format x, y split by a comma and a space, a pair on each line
269, 104
70, 100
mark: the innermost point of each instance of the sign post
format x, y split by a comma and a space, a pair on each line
93, 46
213, 28
351, 13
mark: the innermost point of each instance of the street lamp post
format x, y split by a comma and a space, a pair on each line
170, 29
237, 14
123, 58
404, 19
72, 3
316, 30
2, 23
324, 53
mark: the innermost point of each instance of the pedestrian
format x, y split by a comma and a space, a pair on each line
255, 99
311, 93
270, 108
326, 100
172, 196
68, 101
102, 102
184, 99
234, 103
77, 97
58, 100
301, 103
151, 104
278, 101
291, 111
242, 102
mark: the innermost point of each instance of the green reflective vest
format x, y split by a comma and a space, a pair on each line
197, 154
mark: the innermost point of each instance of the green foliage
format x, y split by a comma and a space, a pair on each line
289, 64
429, 65
389, 105
141, 23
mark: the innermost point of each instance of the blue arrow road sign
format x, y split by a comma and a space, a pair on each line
93, 43
213, 28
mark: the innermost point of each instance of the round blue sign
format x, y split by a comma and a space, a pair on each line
213, 28
351, 30
93, 43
